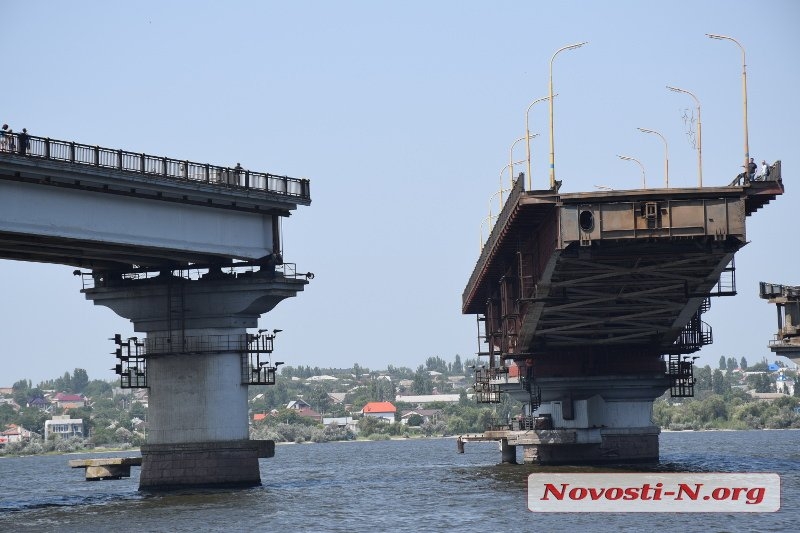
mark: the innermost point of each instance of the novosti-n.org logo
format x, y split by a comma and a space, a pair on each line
653, 493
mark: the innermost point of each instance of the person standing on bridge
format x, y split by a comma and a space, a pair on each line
764, 170
24, 142
3, 139
751, 170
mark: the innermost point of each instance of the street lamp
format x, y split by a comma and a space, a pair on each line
528, 134
527, 138
744, 94
509, 166
552, 150
699, 135
629, 158
666, 155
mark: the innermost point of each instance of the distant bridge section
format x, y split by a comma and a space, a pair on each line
108, 209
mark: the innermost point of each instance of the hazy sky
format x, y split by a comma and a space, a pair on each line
402, 115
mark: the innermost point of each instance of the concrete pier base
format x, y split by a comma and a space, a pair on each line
203, 464
582, 420
613, 448
508, 453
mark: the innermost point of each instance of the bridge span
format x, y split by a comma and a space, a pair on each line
191, 254
589, 306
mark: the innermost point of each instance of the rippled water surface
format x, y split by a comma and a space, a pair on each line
407, 485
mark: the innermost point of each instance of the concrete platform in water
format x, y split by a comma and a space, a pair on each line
107, 467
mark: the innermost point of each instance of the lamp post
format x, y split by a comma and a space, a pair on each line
528, 135
666, 155
699, 135
509, 166
527, 138
629, 158
552, 150
744, 94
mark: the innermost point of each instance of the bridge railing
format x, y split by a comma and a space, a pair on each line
165, 167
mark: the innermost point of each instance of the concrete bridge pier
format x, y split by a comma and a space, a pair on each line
508, 453
595, 419
198, 432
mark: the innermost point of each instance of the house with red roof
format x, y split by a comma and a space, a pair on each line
69, 401
384, 410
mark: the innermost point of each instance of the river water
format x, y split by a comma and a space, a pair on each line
398, 486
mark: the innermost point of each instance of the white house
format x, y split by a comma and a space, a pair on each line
64, 426
384, 410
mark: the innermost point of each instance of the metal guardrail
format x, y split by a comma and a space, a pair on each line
90, 280
149, 165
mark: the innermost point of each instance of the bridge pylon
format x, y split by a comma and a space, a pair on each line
198, 430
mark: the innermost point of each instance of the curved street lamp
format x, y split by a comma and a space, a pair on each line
511, 163
528, 134
744, 94
666, 154
629, 158
502, 190
699, 135
552, 150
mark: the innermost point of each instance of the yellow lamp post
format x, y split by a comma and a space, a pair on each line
528, 135
699, 135
666, 155
744, 94
629, 158
509, 166
527, 138
550, 97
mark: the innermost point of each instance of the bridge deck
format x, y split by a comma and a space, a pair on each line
586, 271
100, 208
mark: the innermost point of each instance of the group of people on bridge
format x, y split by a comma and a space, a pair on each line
14, 142
751, 173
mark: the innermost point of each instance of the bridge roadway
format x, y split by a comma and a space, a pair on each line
100, 208
589, 305
140, 223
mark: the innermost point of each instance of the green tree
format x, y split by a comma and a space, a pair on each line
97, 388
318, 398
723, 365
415, 420
730, 364
718, 382
743, 363
33, 419
436, 363
423, 384
703, 376
7, 415
79, 381
457, 367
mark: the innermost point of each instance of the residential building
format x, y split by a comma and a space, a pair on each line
384, 410
64, 426
15, 433
342, 422
69, 401
304, 409
428, 415
429, 398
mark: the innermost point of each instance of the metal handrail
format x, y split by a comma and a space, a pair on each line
164, 167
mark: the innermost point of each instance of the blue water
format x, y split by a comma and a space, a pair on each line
405, 485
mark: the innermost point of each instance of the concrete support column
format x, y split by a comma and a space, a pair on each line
508, 453
198, 432
594, 419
